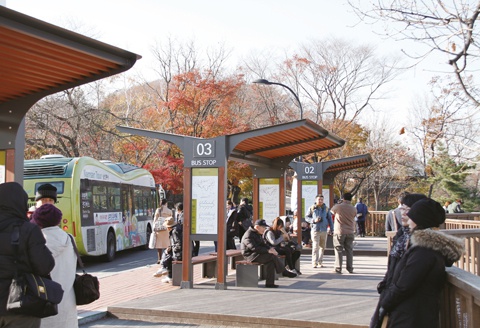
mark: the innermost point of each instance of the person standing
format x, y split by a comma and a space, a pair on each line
456, 206
393, 221
231, 224
344, 233
400, 242
48, 217
179, 213
161, 233
320, 218
35, 256
46, 194
254, 249
244, 217
412, 300
362, 211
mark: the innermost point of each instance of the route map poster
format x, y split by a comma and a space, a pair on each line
269, 199
309, 192
326, 194
204, 200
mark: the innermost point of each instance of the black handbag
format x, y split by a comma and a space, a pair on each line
29, 293
86, 286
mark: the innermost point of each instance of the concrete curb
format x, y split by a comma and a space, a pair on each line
89, 316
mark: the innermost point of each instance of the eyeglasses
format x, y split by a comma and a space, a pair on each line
404, 208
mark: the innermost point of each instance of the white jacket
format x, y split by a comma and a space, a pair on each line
59, 243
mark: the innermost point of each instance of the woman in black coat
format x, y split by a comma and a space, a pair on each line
33, 256
412, 299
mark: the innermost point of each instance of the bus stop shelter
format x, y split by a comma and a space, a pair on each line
39, 59
268, 151
317, 178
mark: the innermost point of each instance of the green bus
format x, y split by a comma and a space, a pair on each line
107, 207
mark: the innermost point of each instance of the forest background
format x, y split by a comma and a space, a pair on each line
342, 84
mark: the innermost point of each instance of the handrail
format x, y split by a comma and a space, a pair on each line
460, 303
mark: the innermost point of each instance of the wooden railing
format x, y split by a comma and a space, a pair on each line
375, 224
460, 304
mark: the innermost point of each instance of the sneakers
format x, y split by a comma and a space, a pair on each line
315, 265
271, 286
289, 274
167, 280
160, 272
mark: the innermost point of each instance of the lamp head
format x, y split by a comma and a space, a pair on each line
262, 81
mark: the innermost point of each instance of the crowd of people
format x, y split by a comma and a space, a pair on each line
409, 291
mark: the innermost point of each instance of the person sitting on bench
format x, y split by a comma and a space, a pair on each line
172, 252
278, 238
254, 249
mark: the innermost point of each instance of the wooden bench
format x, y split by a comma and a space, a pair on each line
248, 273
234, 255
209, 267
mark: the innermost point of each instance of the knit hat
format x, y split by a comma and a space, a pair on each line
410, 199
46, 191
46, 216
427, 213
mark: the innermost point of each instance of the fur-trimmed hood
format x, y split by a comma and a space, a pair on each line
450, 247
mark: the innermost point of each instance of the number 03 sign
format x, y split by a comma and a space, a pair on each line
204, 153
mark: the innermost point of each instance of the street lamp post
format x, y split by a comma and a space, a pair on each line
266, 82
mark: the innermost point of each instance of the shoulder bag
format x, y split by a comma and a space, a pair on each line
86, 286
158, 223
29, 293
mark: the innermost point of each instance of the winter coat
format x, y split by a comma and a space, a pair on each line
325, 216
412, 300
60, 244
232, 224
162, 240
252, 245
176, 238
34, 256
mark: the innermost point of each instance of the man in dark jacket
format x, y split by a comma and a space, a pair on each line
244, 215
254, 249
33, 256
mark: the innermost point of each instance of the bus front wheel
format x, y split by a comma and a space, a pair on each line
111, 247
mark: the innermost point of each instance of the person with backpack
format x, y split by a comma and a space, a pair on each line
34, 257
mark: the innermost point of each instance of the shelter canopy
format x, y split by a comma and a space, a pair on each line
40, 58
283, 141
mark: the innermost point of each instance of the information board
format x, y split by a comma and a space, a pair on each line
326, 194
204, 200
269, 199
309, 192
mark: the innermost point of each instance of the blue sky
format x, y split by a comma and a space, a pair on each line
245, 26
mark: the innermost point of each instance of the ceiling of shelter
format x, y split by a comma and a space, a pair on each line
40, 59
294, 139
350, 163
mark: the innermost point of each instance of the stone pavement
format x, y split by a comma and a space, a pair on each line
317, 298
